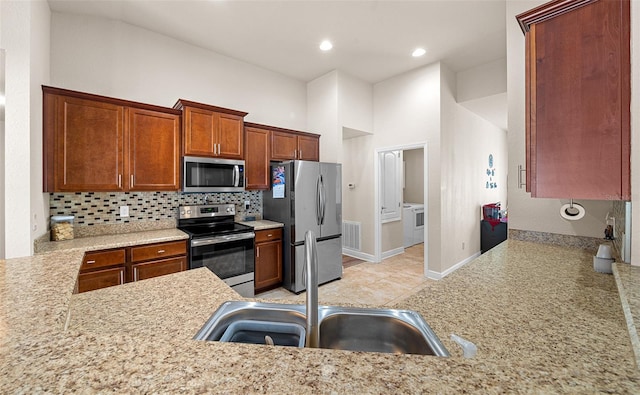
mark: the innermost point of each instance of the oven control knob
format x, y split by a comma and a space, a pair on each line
228, 209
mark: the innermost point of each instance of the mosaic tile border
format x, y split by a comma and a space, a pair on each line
586, 243
98, 213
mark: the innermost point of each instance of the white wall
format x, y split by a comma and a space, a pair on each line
407, 111
355, 102
528, 213
413, 176
481, 81
323, 117
466, 143
115, 59
25, 37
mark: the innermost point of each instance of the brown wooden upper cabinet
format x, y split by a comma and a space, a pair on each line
211, 131
291, 145
96, 143
265, 143
257, 143
577, 99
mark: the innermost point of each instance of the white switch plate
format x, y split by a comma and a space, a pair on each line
124, 211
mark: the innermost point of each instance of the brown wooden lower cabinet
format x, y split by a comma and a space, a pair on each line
101, 269
268, 259
100, 279
145, 270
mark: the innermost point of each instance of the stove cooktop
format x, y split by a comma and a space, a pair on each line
215, 229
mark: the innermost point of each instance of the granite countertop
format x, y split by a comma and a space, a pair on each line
262, 224
628, 281
542, 319
112, 241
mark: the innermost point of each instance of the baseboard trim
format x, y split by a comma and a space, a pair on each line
394, 252
439, 276
358, 254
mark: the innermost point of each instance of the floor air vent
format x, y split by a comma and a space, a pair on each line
351, 235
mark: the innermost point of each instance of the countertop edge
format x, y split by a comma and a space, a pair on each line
628, 315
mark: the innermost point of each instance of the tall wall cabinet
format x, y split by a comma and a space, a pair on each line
96, 143
577, 99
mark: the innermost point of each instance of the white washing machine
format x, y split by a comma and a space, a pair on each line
413, 223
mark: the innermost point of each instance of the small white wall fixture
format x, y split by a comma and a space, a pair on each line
377, 195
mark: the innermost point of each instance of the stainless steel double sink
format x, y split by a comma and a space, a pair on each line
341, 328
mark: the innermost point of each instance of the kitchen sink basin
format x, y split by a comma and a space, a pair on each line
341, 328
231, 313
374, 330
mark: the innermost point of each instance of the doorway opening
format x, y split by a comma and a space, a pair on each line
411, 183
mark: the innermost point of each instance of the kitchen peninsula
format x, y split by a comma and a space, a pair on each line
542, 319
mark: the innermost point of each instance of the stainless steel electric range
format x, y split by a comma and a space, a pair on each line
220, 244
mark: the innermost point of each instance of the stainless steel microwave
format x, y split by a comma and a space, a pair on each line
212, 175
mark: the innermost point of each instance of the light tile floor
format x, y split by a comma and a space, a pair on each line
379, 284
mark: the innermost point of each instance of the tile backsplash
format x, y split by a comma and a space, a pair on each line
103, 208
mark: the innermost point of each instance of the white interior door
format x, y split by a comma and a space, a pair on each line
390, 185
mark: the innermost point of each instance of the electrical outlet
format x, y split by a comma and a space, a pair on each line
247, 204
124, 211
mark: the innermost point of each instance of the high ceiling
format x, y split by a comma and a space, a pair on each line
373, 40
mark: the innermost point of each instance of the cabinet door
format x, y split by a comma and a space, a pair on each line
100, 279
268, 269
578, 101
145, 270
257, 158
309, 148
284, 146
199, 132
154, 151
89, 141
230, 136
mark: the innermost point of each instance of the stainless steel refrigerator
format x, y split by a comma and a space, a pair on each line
307, 196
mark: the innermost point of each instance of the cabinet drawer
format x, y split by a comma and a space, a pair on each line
155, 251
143, 271
100, 279
268, 235
93, 260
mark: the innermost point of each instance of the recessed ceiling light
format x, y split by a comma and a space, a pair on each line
326, 45
418, 52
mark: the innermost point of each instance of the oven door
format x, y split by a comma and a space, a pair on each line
228, 256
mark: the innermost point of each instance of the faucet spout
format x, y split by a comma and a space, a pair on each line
311, 281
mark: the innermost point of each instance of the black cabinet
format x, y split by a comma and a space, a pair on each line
491, 234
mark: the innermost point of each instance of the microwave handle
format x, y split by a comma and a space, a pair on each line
236, 175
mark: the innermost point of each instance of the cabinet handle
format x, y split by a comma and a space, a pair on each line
218, 148
160, 251
520, 183
90, 262
131, 181
122, 277
269, 235
257, 253
135, 274
300, 154
119, 180
295, 153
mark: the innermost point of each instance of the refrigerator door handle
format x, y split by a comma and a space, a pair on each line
318, 201
323, 200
